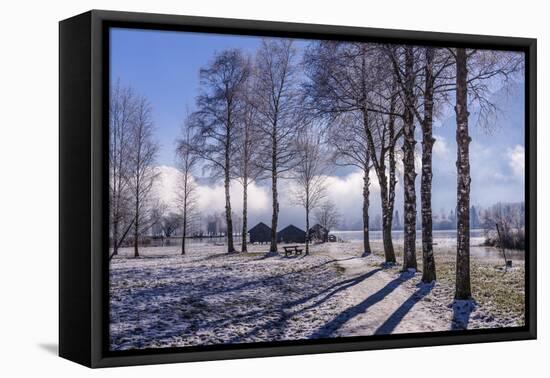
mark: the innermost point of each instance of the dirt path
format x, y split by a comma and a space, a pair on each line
381, 301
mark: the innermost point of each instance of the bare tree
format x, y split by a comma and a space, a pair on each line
327, 216
246, 169
353, 78
218, 109
427, 64
170, 224
278, 103
476, 72
121, 114
436, 64
433, 65
382, 141
308, 174
350, 148
142, 156
463, 289
158, 213
428, 261
155, 215
510, 220
403, 59
187, 161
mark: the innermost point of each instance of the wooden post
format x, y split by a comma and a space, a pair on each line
502, 248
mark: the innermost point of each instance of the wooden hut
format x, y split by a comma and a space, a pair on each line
291, 234
318, 232
260, 233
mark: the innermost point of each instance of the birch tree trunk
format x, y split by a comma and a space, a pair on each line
463, 289
186, 162
307, 230
387, 219
409, 175
275, 202
245, 214
428, 262
366, 192
387, 213
115, 238
184, 233
185, 208
228, 218
387, 189
136, 232
388, 245
137, 196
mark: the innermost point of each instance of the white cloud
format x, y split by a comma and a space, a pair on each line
345, 191
441, 148
211, 198
166, 186
516, 160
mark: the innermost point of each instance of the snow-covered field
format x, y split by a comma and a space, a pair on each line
163, 299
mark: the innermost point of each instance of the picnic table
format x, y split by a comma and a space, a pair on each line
289, 249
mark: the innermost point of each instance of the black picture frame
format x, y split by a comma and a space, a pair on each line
83, 144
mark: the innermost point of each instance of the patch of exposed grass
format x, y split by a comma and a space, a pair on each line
501, 292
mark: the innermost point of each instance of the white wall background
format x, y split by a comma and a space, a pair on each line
29, 188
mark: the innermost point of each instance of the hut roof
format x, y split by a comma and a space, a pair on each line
260, 227
291, 234
292, 229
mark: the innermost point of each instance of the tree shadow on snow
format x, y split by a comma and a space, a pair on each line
393, 321
333, 289
461, 313
277, 326
185, 316
329, 328
270, 280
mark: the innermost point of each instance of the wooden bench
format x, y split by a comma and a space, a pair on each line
289, 249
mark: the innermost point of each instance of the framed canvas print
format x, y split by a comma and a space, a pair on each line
233, 188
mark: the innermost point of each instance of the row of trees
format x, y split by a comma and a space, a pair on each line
275, 116
363, 98
132, 153
373, 95
250, 124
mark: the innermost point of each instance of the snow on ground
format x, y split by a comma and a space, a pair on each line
163, 299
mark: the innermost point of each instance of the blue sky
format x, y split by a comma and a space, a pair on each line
164, 67
496, 153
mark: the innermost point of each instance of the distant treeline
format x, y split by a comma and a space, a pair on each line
480, 218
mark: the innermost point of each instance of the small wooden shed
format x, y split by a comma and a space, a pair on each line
291, 234
260, 233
